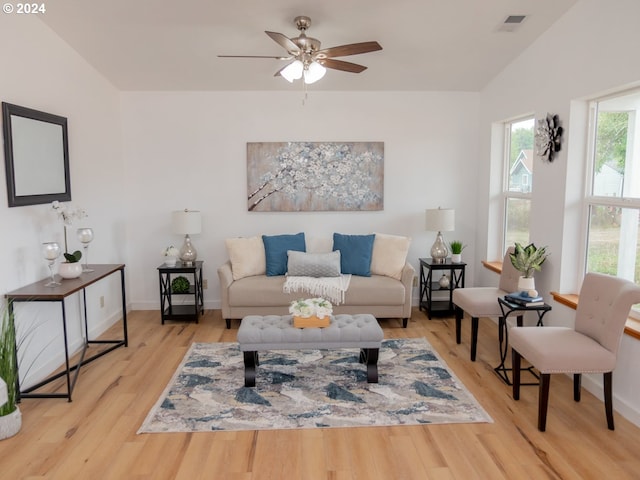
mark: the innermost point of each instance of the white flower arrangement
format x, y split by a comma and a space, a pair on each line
312, 306
66, 213
171, 251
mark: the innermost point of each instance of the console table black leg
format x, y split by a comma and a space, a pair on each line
250, 362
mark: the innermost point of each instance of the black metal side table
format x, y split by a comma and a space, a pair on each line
194, 306
503, 334
429, 285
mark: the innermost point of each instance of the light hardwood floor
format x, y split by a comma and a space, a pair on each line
94, 437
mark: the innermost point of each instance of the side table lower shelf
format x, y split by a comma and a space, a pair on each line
169, 308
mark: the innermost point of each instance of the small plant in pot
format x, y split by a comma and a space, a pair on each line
456, 247
170, 256
528, 260
71, 267
10, 416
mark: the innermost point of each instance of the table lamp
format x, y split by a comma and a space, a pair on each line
187, 222
440, 220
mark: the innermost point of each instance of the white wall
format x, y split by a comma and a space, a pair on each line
590, 50
188, 150
40, 71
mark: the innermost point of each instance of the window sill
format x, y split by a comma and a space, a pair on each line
632, 327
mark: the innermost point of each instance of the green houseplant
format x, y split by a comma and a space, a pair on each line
528, 260
456, 247
10, 416
180, 285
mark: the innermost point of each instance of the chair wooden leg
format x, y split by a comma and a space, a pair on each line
459, 315
474, 337
516, 360
577, 381
543, 400
608, 398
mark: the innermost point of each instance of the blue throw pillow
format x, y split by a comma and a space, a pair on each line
275, 251
355, 253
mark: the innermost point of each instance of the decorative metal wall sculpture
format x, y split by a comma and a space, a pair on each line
315, 176
548, 137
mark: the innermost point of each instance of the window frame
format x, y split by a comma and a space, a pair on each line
507, 193
590, 199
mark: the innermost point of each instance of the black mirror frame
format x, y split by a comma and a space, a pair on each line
21, 200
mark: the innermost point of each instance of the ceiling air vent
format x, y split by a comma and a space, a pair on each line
511, 23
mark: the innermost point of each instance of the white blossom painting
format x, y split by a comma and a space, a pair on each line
315, 176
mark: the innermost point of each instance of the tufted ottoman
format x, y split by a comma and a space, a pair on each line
273, 332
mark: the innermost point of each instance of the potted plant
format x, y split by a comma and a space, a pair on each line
71, 267
456, 247
528, 260
171, 256
10, 416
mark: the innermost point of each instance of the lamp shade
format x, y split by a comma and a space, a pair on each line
313, 73
440, 219
293, 71
187, 222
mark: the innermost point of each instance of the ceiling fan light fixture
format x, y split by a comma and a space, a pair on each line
314, 72
293, 71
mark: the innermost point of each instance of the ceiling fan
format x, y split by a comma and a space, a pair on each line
307, 59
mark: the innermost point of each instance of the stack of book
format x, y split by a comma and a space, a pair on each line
523, 298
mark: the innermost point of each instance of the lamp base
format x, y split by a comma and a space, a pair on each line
188, 252
439, 250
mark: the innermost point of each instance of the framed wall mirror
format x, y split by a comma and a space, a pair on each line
36, 156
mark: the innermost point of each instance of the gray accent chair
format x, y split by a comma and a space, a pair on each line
590, 347
483, 301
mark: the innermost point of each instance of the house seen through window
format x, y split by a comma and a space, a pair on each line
518, 180
613, 198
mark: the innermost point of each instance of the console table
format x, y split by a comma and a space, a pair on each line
37, 292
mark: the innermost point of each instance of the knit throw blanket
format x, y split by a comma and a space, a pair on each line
330, 288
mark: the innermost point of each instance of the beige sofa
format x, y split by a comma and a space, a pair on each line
379, 295
245, 289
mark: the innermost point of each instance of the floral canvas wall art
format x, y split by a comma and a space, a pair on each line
315, 176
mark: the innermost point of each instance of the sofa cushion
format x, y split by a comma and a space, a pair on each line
246, 256
275, 249
355, 253
389, 255
263, 291
302, 264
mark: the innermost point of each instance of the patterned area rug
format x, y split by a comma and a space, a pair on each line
311, 389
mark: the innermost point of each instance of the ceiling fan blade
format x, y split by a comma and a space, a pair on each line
284, 42
350, 49
254, 56
344, 66
277, 74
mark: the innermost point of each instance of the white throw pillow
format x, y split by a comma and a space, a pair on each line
389, 255
247, 256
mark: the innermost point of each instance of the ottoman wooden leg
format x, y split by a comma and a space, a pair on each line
370, 357
250, 362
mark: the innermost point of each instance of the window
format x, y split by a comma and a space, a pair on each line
518, 180
613, 192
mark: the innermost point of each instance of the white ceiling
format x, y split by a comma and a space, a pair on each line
173, 44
